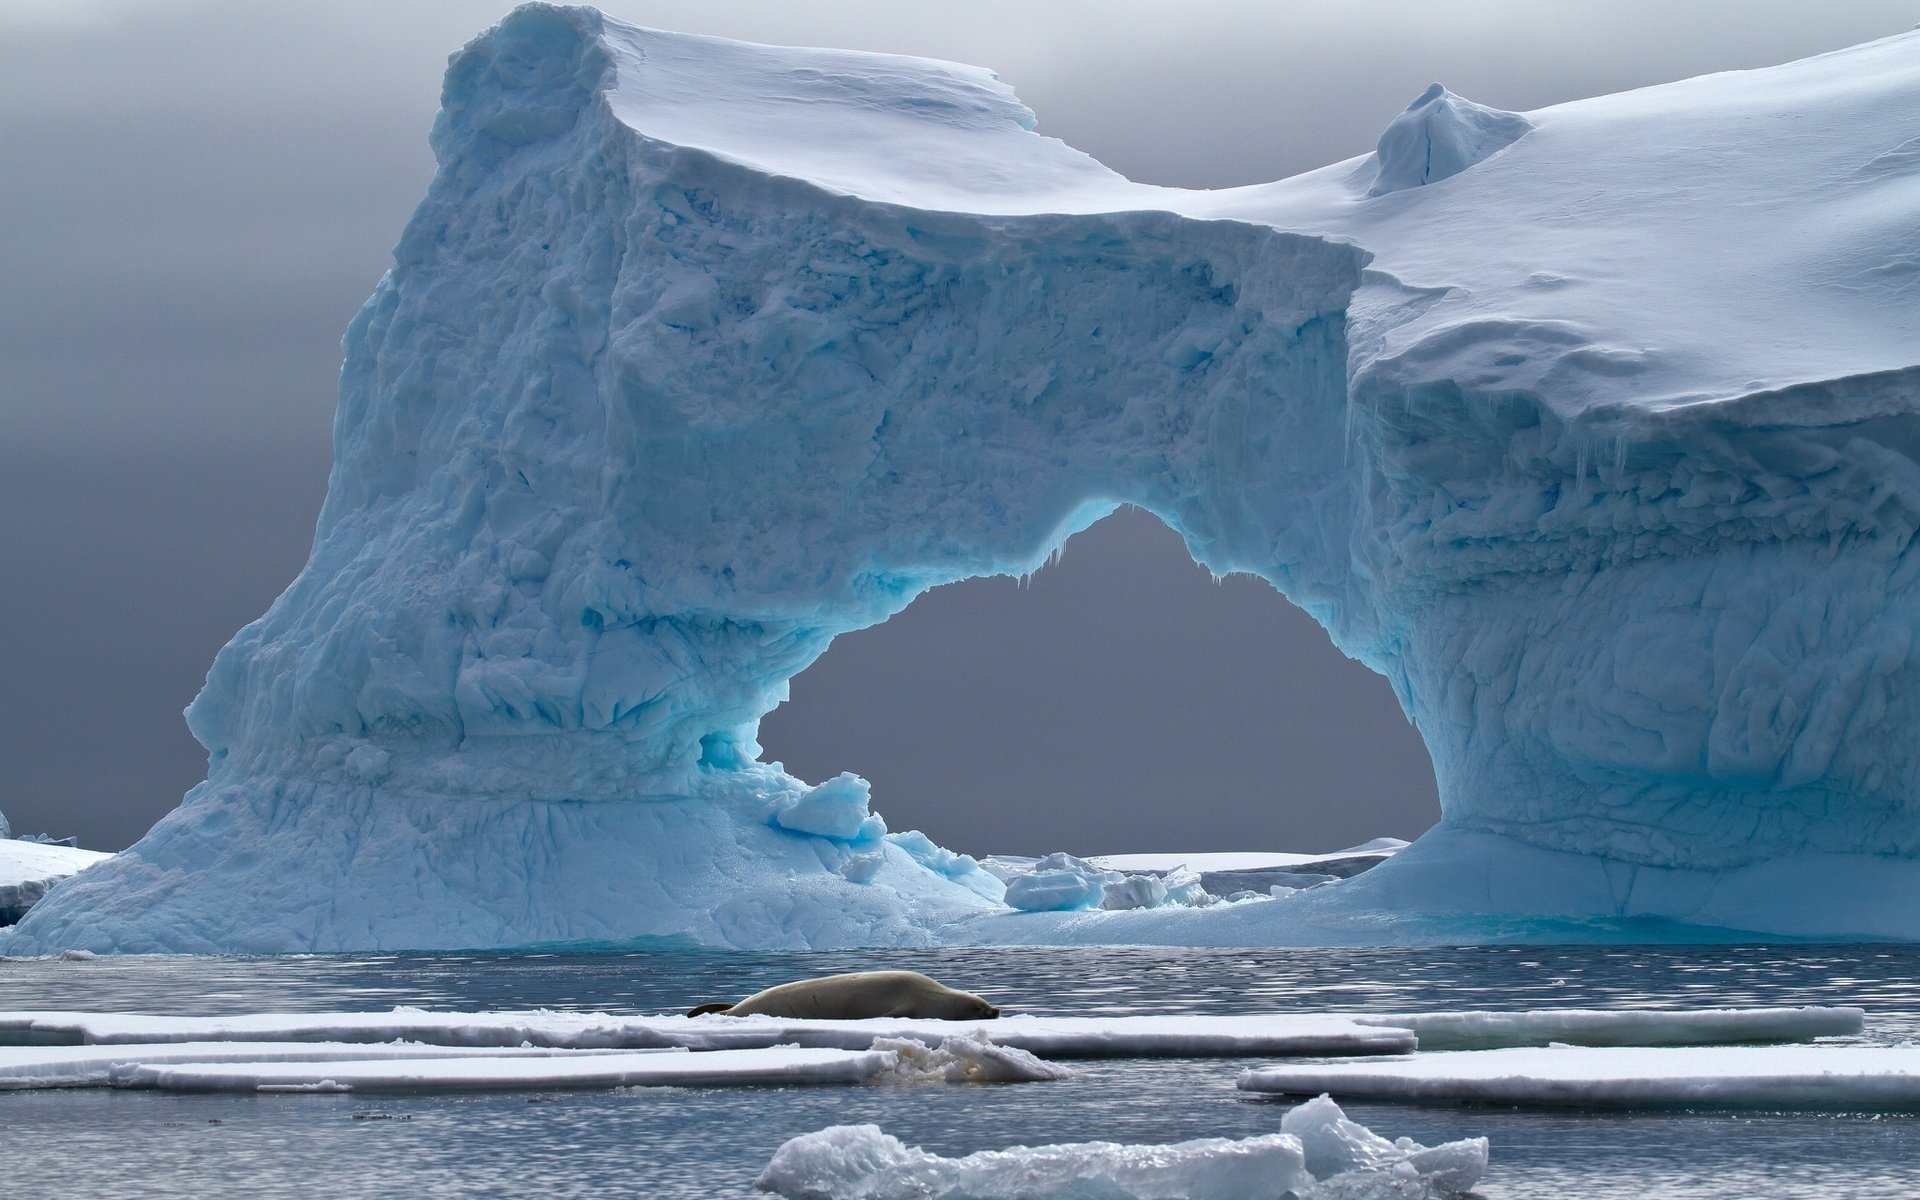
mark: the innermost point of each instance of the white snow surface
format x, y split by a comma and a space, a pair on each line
1623, 1027
28, 870
1786, 1077
320, 1067
1172, 1035
1318, 1155
1238, 860
25, 1068
1602, 448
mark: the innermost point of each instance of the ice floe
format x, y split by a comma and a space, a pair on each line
25, 1068
1317, 1154
1787, 1077
411, 1067
1173, 1035
1138, 1036
1629, 1027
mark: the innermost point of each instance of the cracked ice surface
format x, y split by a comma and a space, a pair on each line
1599, 443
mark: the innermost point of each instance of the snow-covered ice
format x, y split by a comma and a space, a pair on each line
1624, 1027
243, 1064
31, 1067
29, 870
1221, 861
1786, 1077
228, 1068
1173, 1035
1319, 1153
969, 1057
1591, 428
1137, 1036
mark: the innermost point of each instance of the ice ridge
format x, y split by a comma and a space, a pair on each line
1439, 136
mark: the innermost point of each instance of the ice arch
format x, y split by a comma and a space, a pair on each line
698, 353
1119, 697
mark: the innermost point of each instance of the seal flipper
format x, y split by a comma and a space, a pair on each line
704, 1009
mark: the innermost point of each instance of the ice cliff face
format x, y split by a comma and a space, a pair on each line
698, 354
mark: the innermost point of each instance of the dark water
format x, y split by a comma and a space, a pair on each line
712, 1142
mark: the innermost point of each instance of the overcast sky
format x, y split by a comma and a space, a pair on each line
195, 195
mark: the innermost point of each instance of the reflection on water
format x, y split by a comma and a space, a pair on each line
711, 1142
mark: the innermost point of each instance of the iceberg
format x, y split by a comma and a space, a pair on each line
1593, 429
30, 869
1318, 1155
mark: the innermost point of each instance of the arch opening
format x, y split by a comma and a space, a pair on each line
1121, 698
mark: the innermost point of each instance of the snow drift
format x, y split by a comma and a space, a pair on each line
1597, 438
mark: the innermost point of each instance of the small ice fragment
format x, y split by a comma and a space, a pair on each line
1337, 1145
835, 809
965, 1058
1134, 891
1059, 882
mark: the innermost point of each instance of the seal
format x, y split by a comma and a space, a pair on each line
859, 996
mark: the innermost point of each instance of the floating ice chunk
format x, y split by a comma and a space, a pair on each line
1059, 883
1187, 887
1601, 1027
1134, 891
1335, 1145
1319, 1153
836, 809
1180, 1035
845, 1162
1054, 891
1789, 1077
1439, 136
6, 830
965, 1058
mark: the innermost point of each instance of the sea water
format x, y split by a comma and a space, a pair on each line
711, 1142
